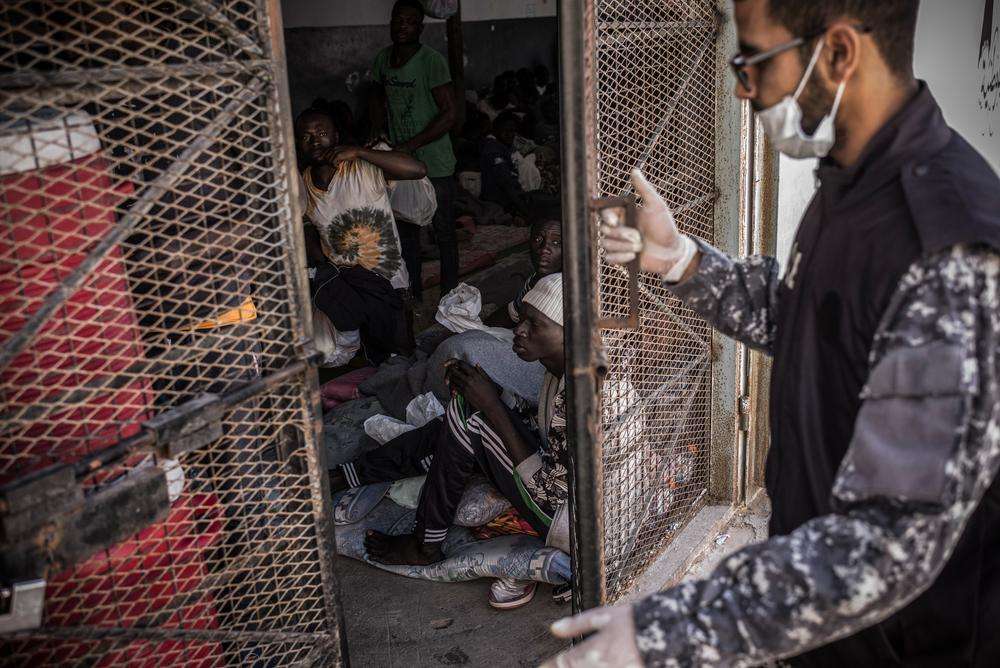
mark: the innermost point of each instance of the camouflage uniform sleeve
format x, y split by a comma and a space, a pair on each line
929, 408
737, 297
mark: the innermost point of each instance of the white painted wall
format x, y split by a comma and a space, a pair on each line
947, 57
321, 13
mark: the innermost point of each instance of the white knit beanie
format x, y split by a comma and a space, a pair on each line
547, 297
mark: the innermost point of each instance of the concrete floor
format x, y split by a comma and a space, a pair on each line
398, 622
748, 526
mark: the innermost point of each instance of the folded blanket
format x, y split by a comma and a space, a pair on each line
517, 556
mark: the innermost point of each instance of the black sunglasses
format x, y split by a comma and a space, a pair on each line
740, 62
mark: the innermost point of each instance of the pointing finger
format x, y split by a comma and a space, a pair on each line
643, 187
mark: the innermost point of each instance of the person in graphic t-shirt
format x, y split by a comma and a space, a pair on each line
413, 84
350, 235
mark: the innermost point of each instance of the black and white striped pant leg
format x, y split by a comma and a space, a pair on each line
408, 455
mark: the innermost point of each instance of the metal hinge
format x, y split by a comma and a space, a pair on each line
743, 412
48, 524
21, 605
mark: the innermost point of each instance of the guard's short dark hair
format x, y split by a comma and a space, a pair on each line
893, 24
409, 4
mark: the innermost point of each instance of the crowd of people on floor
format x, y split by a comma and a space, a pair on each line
376, 188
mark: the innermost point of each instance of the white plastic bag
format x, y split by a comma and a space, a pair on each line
338, 348
528, 174
383, 428
414, 201
459, 312
440, 9
471, 182
422, 409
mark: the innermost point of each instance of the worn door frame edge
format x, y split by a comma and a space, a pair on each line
301, 315
582, 344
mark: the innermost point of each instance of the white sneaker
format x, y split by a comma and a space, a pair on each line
508, 593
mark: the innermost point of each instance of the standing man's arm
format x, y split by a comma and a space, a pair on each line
737, 297
396, 165
925, 449
438, 126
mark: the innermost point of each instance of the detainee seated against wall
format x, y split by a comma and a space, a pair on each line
489, 347
499, 173
351, 238
521, 451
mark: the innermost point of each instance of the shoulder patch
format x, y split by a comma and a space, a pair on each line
954, 198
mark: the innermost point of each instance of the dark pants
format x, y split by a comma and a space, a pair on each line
449, 452
406, 456
356, 298
445, 190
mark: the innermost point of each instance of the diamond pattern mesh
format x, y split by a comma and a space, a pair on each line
146, 258
656, 85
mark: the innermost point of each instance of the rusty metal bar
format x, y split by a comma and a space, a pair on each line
39, 80
209, 134
282, 134
671, 107
587, 525
161, 633
213, 13
147, 440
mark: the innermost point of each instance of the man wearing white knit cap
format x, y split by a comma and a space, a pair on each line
526, 465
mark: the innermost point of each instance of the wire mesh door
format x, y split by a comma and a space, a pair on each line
159, 463
655, 82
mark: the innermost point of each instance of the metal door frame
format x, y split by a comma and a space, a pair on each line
584, 363
266, 42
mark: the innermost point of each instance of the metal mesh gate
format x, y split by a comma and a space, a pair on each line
154, 349
655, 82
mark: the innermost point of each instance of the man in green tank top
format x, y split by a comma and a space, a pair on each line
414, 93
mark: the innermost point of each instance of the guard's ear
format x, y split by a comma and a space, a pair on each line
842, 52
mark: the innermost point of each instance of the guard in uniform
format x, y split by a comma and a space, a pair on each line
885, 395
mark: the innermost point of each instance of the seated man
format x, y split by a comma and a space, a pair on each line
520, 380
351, 227
545, 249
500, 182
499, 175
481, 432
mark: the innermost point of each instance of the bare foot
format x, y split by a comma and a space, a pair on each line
406, 549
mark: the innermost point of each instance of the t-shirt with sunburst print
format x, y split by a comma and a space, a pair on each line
354, 219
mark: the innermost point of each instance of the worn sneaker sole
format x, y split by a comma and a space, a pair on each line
514, 603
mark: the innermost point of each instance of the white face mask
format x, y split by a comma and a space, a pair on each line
783, 122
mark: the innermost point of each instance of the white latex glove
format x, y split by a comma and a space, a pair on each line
613, 646
657, 242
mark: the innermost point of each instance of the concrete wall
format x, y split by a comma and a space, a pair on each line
330, 45
959, 58
320, 13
